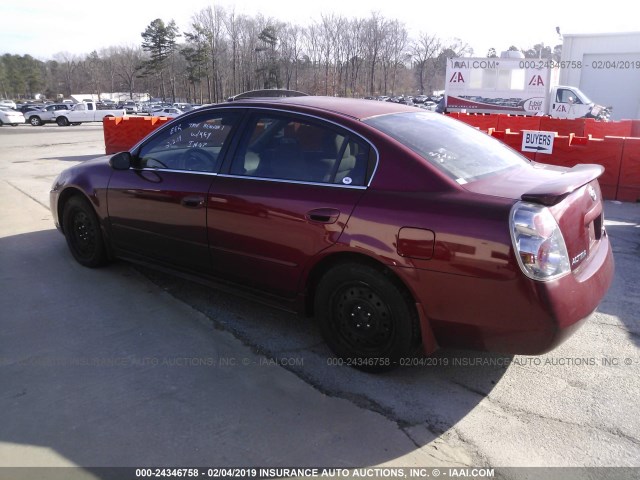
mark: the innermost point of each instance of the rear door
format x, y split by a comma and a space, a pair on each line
287, 194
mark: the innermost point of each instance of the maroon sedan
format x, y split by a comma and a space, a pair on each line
395, 227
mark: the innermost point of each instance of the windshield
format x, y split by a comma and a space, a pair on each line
462, 152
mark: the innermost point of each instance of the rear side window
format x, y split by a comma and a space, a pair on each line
285, 148
461, 152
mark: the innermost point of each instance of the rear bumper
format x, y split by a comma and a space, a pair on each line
515, 316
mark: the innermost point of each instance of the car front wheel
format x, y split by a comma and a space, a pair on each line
366, 317
62, 121
35, 121
83, 234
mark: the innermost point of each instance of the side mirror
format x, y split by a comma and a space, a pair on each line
121, 161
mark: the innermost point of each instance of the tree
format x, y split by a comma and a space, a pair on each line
291, 47
375, 34
424, 53
127, 63
492, 53
159, 40
92, 66
268, 66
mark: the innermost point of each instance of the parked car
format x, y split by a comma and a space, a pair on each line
183, 107
396, 227
428, 105
26, 108
47, 114
106, 105
130, 106
8, 103
169, 112
85, 112
9, 116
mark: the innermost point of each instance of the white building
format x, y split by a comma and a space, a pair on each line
610, 70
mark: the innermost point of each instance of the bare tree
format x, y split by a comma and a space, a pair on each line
69, 65
127, 61
291, 48
375, 31
393, 53
424, 53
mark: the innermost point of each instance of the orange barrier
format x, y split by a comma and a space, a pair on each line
513, 139
482, 122
563, 126
122, 133
629, 186
608, 129
517, 123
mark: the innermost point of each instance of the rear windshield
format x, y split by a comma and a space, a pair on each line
460, 151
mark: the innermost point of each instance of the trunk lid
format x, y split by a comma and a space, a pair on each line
572, 195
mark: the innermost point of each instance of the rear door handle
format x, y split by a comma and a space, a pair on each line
192, 202
323, 215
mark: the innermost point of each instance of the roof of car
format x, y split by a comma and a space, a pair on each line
353, 107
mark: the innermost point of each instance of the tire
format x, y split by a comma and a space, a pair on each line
366, 317
35, 121
62, 121
83, 233
1, 124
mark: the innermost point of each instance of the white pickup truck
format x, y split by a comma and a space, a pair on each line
85, 112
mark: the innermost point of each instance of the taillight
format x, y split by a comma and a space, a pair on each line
538, 242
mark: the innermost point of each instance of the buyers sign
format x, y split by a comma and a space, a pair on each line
538, 142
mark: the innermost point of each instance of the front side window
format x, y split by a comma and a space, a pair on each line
286, 148
567, 96
192, 144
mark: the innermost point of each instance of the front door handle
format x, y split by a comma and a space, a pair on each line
192, 202
323, 215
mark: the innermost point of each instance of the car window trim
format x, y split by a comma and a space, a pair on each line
172, 170
249, 112
244, 114
297, 182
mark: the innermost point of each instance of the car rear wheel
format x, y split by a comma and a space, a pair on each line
83, 234
35, 121
366, 317
62, 121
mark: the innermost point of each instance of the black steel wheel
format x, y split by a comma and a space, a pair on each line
62, 121
366, 317
82, 231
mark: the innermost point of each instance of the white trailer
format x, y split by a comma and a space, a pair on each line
516, 86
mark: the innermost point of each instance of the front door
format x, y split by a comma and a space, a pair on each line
158, 208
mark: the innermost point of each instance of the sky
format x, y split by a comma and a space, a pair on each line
42, 28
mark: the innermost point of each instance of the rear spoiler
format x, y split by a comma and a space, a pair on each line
550, 193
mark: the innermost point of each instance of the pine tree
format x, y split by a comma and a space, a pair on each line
160, 41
